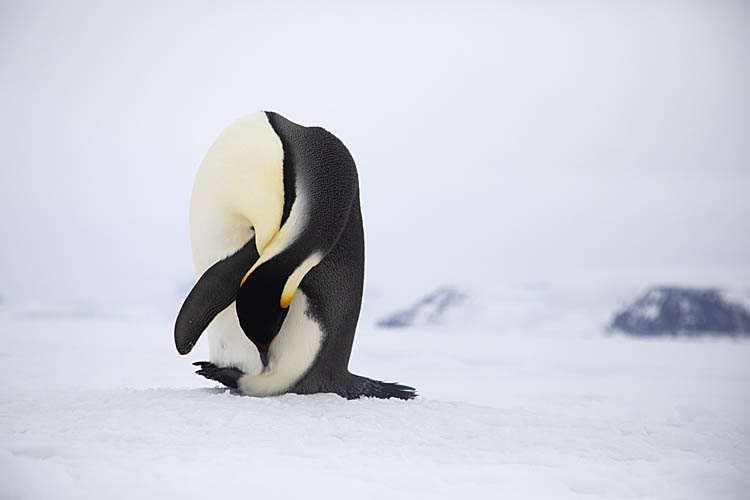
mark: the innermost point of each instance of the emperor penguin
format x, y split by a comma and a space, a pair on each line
276, 231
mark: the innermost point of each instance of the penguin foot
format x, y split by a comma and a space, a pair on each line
227, 375
366, 387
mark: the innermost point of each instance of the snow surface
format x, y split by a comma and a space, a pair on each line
105, 408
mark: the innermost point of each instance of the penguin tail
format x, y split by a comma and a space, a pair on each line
365, 387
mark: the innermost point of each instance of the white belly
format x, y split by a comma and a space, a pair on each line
239, 185
292, 352
228, 345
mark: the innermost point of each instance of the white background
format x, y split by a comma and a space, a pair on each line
495, 142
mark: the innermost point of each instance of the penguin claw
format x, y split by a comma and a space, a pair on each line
227, 375
369, 388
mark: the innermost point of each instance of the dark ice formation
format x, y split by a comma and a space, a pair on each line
686, 311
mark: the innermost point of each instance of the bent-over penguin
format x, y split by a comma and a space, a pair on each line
276, 229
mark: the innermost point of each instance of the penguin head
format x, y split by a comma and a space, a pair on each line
261, 309
266, 292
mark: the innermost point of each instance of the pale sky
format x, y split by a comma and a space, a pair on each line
494, 142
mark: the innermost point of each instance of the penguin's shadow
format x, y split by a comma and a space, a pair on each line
216, 390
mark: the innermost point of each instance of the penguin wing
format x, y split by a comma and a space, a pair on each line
215, 290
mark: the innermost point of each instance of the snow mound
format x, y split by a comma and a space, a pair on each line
504, 309
428, 311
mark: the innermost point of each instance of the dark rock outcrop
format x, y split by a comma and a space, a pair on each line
427, 311
686, 311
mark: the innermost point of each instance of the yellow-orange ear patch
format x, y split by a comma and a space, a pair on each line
245, 277
296, 277
286, 300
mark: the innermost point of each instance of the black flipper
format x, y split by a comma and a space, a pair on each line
213, 293
229, 376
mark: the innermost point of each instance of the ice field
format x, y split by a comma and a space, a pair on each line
105, 408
